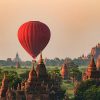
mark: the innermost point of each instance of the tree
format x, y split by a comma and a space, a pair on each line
86, 90
12, 77
92, 93
24, 75
75, 74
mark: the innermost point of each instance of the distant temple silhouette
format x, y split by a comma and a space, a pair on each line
38, 86
17, 60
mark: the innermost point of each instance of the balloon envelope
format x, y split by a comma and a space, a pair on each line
34, 36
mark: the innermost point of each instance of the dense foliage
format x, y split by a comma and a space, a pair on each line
13, 77
75, 74
88, 90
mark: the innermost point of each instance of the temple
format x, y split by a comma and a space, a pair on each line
38, 86
4, 87
41, 70
17, 60
98, 63
64, 71
92, 72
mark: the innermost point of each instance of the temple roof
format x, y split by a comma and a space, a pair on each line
40, 59
64, 66
4, 86
41, 69
32, 74
5, 80
92, 63
17, 58
64, 69
98, 62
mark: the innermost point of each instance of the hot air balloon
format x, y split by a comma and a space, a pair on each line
34, 36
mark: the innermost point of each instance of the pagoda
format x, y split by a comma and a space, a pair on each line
41, 70
17, 60
64, 71
31, 81
98, 63
4, 87
92, 72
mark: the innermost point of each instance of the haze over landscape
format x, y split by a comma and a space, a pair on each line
74, 25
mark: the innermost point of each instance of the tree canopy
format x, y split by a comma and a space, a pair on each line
88, 90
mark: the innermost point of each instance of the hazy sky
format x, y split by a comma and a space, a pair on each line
74, 25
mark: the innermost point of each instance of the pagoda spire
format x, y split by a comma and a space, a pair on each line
41, 69
92, 64
32, 77
33, 65
98, 63
4, 86
40, 59
32, 74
